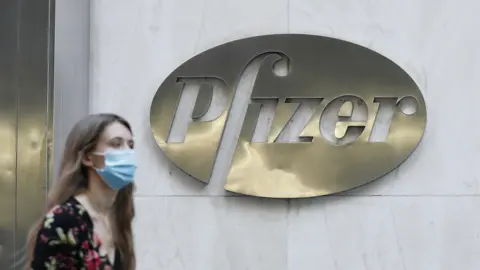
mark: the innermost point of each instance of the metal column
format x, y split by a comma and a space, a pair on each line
26, 120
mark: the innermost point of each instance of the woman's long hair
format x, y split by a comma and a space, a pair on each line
73, 180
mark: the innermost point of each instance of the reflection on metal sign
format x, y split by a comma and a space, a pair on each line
343, 90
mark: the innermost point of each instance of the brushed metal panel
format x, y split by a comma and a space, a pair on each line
26, 101
8, 130
34, 119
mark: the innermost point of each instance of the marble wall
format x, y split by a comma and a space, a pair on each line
422, 216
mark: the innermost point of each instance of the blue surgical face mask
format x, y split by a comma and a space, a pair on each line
119, 169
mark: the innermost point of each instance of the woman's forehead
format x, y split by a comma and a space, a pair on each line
116, 130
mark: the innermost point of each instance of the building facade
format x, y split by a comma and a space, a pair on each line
112, 56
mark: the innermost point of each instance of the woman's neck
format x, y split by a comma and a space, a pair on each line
100, 202
100, 197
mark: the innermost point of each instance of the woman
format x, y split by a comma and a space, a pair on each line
89, 222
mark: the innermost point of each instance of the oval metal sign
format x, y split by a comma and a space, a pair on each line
342, 91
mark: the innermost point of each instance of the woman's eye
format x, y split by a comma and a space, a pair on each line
116, 145
121, 143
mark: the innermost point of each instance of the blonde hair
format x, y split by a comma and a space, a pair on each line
73, 180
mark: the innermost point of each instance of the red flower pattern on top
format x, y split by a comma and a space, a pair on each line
93, 260
67, 241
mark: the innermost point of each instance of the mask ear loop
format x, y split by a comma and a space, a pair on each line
100, 155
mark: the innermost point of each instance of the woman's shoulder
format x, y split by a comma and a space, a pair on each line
67, 215
65, 223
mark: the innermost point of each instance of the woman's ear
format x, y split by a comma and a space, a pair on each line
93, 161
87, 160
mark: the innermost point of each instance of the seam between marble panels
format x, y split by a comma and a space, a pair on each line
392, 196
288, 16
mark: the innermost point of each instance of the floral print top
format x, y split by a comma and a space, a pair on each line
66, 241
